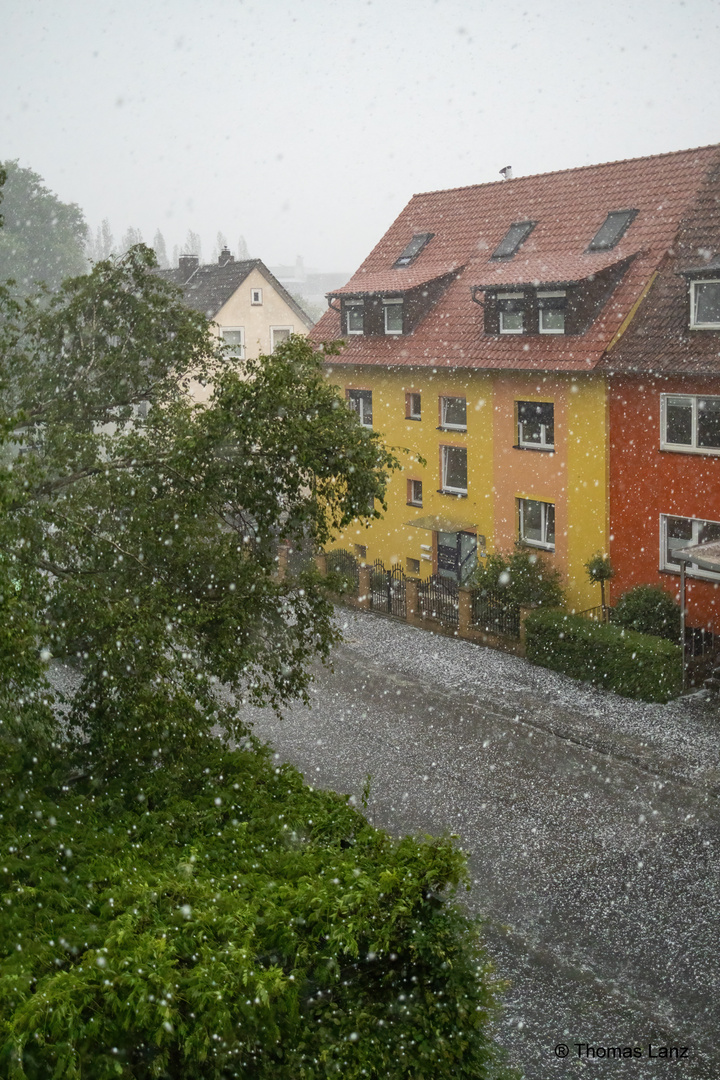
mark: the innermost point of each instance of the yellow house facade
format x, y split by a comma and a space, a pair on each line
502, 477
475, 334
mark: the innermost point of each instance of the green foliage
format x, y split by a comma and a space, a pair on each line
649, 610
521, 578
154, 538
43, 237
632, 664
170, 908
226, 920
599, 568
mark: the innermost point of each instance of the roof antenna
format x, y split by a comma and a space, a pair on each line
506, 173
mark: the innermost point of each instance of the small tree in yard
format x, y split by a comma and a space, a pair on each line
599, 569
172, 907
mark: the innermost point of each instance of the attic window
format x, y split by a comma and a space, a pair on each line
414, 248
612, 228
516, 235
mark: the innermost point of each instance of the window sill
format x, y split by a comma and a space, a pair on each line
446, 428
418, 418
702, 451
418, 505
696, 575
704, 326
536, 544
453, 494
542, 449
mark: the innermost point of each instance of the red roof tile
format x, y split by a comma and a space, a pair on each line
569, 207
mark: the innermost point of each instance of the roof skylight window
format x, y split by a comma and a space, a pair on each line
516, 235
414, 248
612, 228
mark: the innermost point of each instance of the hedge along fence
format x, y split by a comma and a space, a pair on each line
632, 664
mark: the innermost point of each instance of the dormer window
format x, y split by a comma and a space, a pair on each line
516, 235
551, 311
354, 314
511, 307
612, 229
393, 316
411, 252
705, 305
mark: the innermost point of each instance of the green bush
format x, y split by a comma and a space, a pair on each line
521, 578
649, 610
632, 664
219, 918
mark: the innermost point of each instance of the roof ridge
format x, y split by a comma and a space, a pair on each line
570, 169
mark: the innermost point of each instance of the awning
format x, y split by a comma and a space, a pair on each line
704, 556
439, 523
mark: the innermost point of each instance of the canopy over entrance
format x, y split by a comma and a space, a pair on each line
440, 523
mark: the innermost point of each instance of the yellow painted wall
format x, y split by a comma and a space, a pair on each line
573, 477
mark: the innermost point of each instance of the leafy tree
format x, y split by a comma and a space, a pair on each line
43, 238
131, 237
193, 245
521, 578
160, 251
102, 244
600, 569
181, 909
649, 610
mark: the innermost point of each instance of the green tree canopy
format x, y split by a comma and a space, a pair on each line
43, 238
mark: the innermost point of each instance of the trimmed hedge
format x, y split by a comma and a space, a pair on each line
634, 665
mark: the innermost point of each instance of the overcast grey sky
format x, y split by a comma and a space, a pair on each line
306, 125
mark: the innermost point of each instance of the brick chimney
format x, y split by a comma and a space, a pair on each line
187, 265
225, 257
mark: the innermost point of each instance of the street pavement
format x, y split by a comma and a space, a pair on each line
591, 823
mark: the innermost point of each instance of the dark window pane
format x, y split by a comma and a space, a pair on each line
354, 318
707, 302
678, 413
708, 421
679, 535
455, 468
361, 402
708, 532
532, 521
549, 523
393, 318
611, 230
514, 237
455, 411
413, 249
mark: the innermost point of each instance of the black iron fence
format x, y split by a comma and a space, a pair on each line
387, 590
490, 614
344, 562
439, 598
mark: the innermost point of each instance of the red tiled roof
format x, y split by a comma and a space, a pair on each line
569, 207
659, 338
387, 281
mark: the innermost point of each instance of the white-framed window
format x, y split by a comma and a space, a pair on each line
511, 307
453, 413
551, 312
278, 334
256, 296
536, 425
234, 338
393, 316
361, 402
681, 532
413, 406
454, 470
536, 523
690, 423
354, 316
414, 493
705, 305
